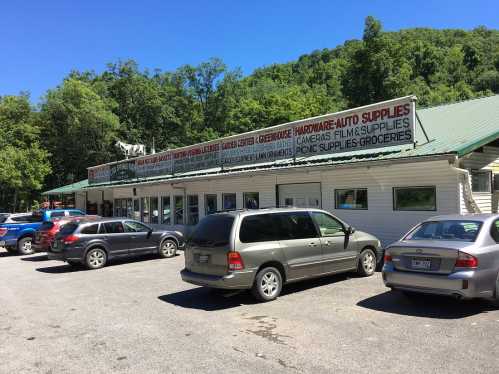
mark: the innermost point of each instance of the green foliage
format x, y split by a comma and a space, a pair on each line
80, 120
24, 164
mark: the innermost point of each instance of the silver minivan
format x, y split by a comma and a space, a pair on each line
263, 249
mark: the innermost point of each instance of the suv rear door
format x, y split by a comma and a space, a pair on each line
207, 248
118, 239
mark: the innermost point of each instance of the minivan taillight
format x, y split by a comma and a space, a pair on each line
235, 261
70, 239
3, 231
465, 260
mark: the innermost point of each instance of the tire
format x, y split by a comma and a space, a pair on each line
268, 284
95, 258
24, 246
168, 249
367, 263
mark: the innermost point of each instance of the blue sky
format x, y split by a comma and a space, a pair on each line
42, 41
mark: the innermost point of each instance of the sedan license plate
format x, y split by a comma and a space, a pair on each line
203, 259
421, 264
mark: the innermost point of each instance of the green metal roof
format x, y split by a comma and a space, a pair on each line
73, 187
458, 129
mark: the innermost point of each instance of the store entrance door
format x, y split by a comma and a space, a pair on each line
300, 195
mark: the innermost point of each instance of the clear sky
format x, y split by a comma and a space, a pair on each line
42, 41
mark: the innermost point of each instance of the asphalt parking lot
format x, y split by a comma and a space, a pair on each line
139, 317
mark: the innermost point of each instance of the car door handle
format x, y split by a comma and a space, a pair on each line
313, 244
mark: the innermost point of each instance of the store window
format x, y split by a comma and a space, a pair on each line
145, 211
251, 200
179, 210
210, 204
496, 182
481, 181
354, 198
166, 210
117, 208
154, 205
229, 201
414, 198
193, 209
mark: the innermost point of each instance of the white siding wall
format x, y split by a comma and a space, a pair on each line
380, 219
482, 160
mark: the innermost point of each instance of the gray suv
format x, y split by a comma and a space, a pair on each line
95, 242
263, 249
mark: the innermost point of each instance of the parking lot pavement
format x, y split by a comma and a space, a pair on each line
139, 317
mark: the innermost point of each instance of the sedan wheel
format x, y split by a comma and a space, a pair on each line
268, 284
168, 249
367, 263
96, 258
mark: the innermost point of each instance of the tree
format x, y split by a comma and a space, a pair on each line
24, 163
79, 130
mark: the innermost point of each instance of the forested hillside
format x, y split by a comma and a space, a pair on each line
77, 122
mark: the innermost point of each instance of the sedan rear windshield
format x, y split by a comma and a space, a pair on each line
213, 231
453, 230
68, 228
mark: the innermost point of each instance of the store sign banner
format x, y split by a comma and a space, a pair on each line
374, 126
123, 171
261, 147
154, 165
385, 124
198, 157
99, 174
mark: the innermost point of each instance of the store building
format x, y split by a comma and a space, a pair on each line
383, 168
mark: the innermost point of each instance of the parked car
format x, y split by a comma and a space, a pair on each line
451, 255
45, 235
18, 230
264, 249
94, 242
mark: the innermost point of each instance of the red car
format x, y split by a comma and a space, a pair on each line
45, 235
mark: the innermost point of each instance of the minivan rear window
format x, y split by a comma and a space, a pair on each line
213, 231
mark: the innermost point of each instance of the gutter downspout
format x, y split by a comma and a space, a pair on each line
465, 180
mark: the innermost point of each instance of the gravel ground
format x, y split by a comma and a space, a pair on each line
137, 316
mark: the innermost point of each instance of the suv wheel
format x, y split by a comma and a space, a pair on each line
24, 246
367, 263
168, 249
268, 284
95, 258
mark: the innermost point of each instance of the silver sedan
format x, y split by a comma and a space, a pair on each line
455, 255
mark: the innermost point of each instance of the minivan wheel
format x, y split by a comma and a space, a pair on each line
24, 246
367, 263
268, 284
95, 258
168, 249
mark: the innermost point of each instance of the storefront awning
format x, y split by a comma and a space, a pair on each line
70, 188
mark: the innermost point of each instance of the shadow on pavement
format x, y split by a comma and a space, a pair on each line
7, 254
429, 306
65, 268
204, 298
36, 258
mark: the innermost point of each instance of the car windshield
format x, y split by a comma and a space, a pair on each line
213, 230
3, 218
453, 230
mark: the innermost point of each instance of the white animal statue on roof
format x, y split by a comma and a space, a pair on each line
131, 150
